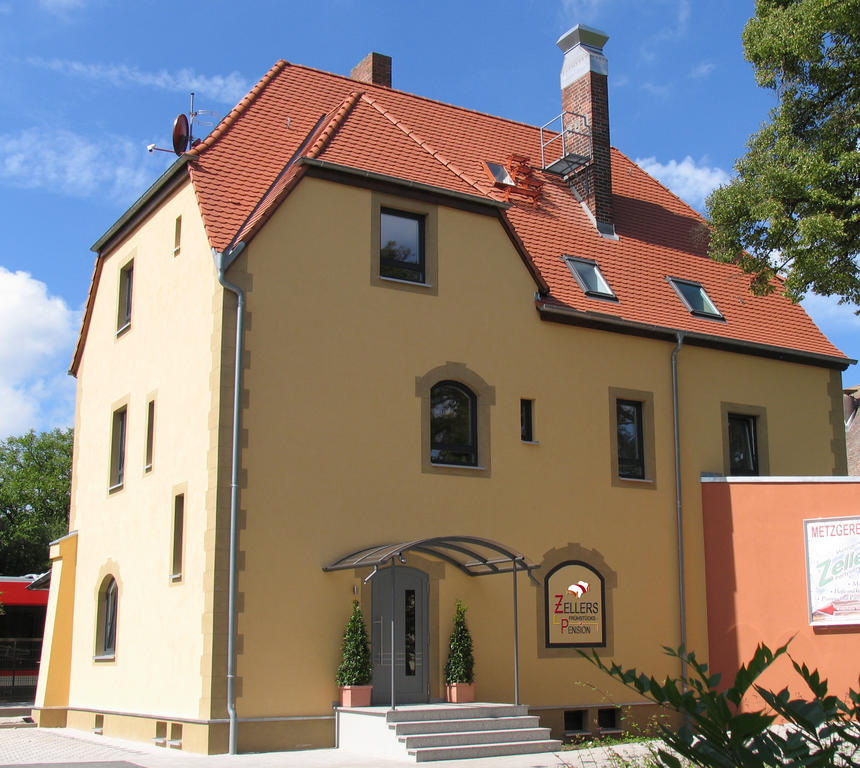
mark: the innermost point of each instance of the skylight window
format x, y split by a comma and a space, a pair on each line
590, 278
695, 298
499, 174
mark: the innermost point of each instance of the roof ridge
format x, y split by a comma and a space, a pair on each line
422, 98
427, 147
339, 115
246, 101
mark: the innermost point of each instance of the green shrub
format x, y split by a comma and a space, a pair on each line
356, 667
460, 667
821, 731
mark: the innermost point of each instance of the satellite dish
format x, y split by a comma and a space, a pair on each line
181, 134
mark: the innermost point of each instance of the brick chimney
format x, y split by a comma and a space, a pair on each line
375, 68
584, 91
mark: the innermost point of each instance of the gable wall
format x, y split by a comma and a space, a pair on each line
169, 354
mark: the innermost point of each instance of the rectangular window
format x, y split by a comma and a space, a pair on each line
401, 246
150, 436
743, 445
631, 448
527, 421
177, 235
575, 721
117, 449
126, 281
178, 535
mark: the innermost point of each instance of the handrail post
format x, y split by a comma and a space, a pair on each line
516, 638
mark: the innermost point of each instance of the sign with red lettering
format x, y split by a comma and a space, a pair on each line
833, 570
574, 595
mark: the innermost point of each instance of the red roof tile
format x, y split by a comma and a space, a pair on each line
240, 175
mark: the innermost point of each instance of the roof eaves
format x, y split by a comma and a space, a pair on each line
600, 321
85, 320
162, 186
359, 173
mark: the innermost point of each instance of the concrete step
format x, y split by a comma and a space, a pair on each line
465, 724
464, 738
471, 711
485, 750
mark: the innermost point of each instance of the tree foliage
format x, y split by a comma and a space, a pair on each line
35, 481
794, 207
821, 732
460, 667
356, 667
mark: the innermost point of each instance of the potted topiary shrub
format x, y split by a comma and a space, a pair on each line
355, 670
459, 669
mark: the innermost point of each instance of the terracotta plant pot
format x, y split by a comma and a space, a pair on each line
355, 695
460, 693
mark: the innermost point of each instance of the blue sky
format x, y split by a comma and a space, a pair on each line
86, 85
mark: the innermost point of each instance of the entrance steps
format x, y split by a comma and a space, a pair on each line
443, 731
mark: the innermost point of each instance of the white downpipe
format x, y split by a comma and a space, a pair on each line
222, 261
682, 596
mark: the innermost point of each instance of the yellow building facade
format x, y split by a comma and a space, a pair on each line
337, 453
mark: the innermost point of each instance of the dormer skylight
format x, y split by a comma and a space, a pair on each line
589, 277
499, 174
695, 298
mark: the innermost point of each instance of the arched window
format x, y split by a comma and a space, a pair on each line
107, 614
453, 424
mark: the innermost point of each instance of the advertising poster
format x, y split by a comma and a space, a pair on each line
574, 606
833, 570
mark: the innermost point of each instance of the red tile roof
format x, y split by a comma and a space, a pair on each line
251, 161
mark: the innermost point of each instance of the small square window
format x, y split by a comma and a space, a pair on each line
126, 282
527, 433
695, 298
743, 445
498, 173
575, 720
401, 246
590, 278
117, 449
631, 443
609, 719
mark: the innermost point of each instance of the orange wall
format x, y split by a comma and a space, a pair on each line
756, 579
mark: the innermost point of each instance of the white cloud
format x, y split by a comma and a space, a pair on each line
114, 168
37, 337
702, 70
224, 88
692, 182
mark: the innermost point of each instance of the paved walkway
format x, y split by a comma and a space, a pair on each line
43, 747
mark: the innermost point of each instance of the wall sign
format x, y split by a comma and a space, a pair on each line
574, 597
833, 570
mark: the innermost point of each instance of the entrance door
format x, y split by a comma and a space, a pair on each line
408, 588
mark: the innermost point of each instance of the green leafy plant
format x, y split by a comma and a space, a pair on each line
822, 731
355, 667
460, 667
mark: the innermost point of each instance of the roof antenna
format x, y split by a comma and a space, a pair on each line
183, 129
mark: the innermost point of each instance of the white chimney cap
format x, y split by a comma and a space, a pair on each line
582, 35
